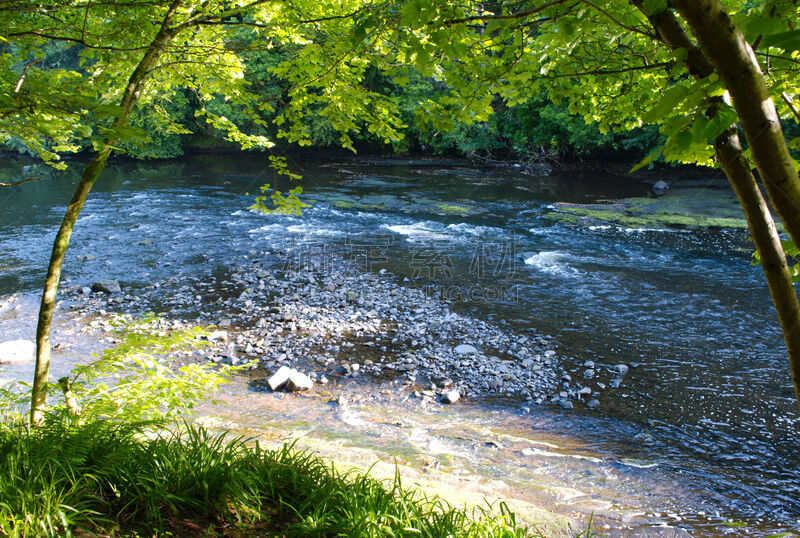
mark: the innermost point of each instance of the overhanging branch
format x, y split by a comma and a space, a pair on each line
14, 184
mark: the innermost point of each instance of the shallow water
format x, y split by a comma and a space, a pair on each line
709, 401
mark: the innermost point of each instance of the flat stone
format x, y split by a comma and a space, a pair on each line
16, 351
107, 286
279, 378
299, 381
451, 397
594, 403
466, 349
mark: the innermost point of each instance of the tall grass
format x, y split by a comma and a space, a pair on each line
109, 477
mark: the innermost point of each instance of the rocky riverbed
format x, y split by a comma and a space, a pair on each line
338, 322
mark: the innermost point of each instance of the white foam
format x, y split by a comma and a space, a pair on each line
662, 230
417, 231
465, 228
552, 261
308, 229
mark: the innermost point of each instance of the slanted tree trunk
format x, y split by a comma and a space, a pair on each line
768, 242
724, 45
91, 173
47, 307
729, 153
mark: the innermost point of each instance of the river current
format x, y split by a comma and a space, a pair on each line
708, 399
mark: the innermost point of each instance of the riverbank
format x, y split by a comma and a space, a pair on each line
385, 413
187, 482
333, 321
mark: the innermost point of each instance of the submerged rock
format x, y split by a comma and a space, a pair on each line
15, 351
620, 369
660, 187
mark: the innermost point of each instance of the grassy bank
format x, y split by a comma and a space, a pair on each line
114, 478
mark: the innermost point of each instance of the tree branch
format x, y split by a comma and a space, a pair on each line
20, 182
24, 73
511, 16
612, 71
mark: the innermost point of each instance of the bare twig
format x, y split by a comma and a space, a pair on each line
20, 182
24, 74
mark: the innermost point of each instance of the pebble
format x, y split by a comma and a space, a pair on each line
324, 322
620, 369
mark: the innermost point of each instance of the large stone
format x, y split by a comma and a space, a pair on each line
107, 286
451, 397
299, 381
466, 349
15, 351
620, 369
279, 378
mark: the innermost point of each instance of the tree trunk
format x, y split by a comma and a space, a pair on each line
91, 173
725, 46
768, 242
759, 220
47, 307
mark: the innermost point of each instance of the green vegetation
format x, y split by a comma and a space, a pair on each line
114, 477
681, 207
108, 458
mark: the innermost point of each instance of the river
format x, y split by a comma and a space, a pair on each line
708, 400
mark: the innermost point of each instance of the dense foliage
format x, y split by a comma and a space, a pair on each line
175, 121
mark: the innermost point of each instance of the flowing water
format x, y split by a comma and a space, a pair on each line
708, 402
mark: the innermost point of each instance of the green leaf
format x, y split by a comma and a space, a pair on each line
647, 160
651, 7
671, 99
719, 123
788, 41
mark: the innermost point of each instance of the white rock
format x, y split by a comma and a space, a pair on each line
222, 336
279, 378
451, 397
466, 349
15, 351
299, 381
